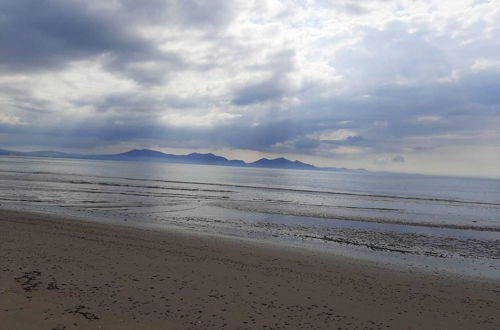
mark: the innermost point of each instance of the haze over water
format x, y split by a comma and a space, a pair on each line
372, 215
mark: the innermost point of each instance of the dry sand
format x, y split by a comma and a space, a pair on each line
67, 274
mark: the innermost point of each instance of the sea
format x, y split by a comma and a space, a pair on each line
430, 223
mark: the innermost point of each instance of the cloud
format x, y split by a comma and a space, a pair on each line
273, 88
397, 54
398, 159
429, 119
213, 15
37, 35
355, 9
48, 35
268, 90
341, 81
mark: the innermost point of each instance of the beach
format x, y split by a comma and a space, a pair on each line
63, 273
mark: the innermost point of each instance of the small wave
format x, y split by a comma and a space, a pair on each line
337, 217
293, 190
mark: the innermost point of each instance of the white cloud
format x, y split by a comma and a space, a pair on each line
189, 120
337, 135
484, 64
10, 119
380, 123
428, 119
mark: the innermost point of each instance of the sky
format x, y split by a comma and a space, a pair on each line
405, 86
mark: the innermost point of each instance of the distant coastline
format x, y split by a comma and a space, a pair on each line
148, 155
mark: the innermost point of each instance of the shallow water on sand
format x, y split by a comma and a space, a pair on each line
450, 222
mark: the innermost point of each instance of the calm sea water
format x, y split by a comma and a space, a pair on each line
392, 215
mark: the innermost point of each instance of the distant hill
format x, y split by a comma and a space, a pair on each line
147, 155
143, 153
282, 163
213, 160
43, 153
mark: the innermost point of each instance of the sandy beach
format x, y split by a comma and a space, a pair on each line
60, 273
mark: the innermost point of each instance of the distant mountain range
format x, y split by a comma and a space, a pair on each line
146, 155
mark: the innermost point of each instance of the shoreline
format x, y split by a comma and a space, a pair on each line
361, 248
65, 273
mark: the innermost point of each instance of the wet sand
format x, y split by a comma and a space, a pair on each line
60, 273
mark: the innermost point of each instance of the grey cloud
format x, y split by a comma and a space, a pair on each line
398, 159
267, 90
147, 68
350, 140
137, 115
44, 35
273, 88
213, 15
394, 53
350, 7
131, 102
243, 136
278, 63
467, 106
355, 9
97, 133
306, 144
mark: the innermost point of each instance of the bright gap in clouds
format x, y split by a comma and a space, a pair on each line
407, 86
